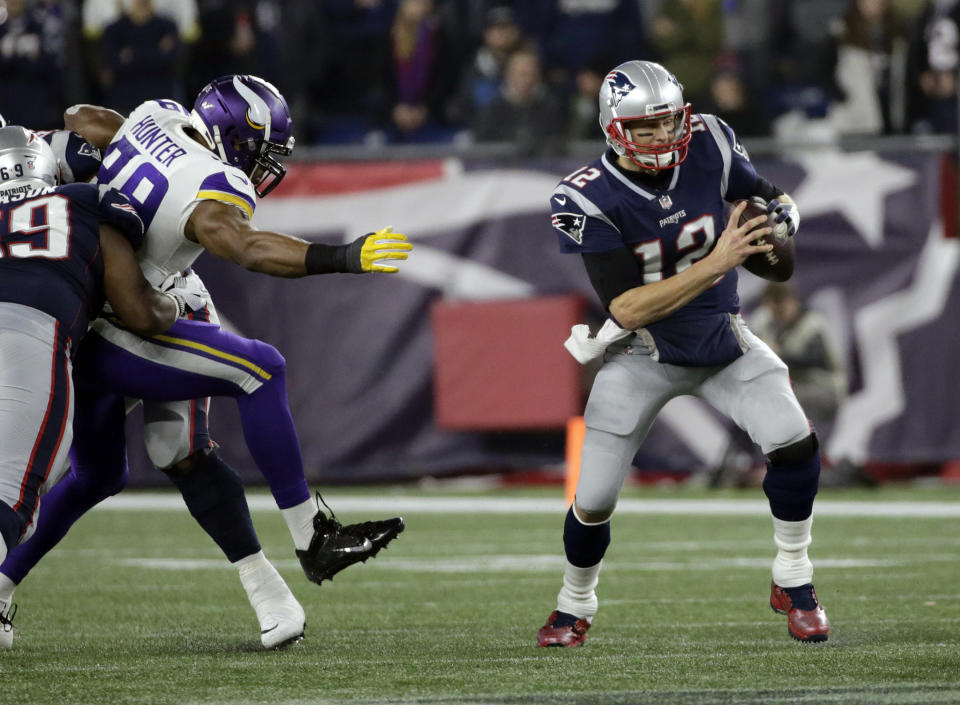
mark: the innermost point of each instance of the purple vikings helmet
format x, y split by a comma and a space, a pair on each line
246, 122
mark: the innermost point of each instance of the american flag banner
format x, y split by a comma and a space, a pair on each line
873, 255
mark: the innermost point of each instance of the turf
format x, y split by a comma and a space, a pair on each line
139, 607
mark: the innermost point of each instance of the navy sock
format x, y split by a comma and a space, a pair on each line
564, 619
214, 495
802, 597
584, 545
11, 525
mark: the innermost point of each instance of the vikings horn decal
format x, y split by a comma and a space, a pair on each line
258, 114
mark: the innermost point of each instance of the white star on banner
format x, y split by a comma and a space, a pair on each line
855, 184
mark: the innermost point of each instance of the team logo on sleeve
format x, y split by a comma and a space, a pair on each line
620, 85
570, 224
88, 150
128, 208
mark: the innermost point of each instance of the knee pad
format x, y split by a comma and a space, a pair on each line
792, 479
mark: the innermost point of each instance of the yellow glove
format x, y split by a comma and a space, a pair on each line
366, 250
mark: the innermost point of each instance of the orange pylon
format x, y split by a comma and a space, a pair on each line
575, 431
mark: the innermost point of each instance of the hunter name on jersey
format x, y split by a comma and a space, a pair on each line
152, 140
600, 208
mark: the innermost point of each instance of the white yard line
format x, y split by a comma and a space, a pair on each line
412, 504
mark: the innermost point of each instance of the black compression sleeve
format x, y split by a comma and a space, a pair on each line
326, 259
612, 273
766, 190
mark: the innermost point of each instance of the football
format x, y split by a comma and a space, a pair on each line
777, 264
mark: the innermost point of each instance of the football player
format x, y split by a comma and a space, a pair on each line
194, 177
647, 219
62, 251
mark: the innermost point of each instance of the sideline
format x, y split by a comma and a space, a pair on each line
413, 504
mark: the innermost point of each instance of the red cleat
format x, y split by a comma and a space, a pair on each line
563, 629
803, 625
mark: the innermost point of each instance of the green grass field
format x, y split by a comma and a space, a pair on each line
138, 606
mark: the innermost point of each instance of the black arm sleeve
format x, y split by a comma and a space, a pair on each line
765, 189
612, 273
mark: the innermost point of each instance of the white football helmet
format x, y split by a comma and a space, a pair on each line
642, 90
26, 160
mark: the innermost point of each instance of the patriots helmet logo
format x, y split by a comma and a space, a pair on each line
570, 224
619, 85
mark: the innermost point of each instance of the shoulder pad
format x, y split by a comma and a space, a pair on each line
229, 186
79, 160
116, 210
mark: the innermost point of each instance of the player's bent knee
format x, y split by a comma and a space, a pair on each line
794, 453
99, 482
187, 465
269, 358
205, 481
592, 516
792, 479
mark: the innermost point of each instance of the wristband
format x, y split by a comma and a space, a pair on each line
178, 302
326, 259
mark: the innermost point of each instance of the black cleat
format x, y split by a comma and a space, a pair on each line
335, 546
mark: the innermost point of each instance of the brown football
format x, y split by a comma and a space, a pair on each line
777, 264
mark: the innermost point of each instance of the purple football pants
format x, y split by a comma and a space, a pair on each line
189, 361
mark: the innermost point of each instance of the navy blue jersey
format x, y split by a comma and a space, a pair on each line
79, 160
598, 209
50, 256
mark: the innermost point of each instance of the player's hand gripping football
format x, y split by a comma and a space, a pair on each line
364, 253
785, 214
736, 242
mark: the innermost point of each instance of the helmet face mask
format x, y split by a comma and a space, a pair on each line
644, 95
26, 161
246, 122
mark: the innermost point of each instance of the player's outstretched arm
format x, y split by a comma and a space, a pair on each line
140, 307
95, 124
225, 231
645, 304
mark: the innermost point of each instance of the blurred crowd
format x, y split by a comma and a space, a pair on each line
414, 71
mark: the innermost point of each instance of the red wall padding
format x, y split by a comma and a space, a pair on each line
502, 366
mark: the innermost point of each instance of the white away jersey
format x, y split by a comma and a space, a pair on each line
165, 174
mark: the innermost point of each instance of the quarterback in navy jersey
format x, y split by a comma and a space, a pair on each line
652, 222
63, 252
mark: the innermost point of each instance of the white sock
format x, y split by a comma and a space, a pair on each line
258, 576
791, 567
7, 586
300, 523
578, 595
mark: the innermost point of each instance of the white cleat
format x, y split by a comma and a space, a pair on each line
7, 611
282, 619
